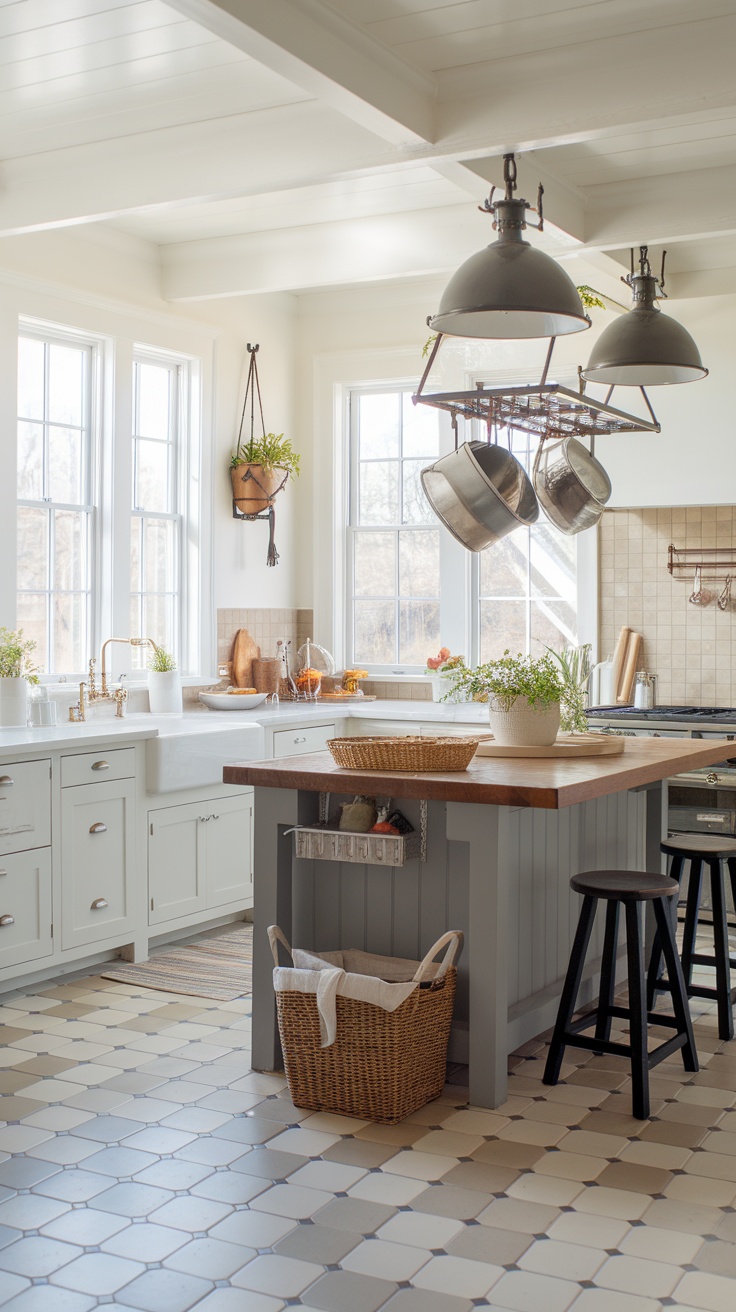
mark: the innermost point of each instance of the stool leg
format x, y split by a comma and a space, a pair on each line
655, 960
637, 1014
570, 990
608, 972
691, 919
720, 943
680, 1003
732, 876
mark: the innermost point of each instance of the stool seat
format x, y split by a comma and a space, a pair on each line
709, 846
624, 885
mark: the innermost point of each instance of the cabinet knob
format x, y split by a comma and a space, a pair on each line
99, 904
7, 920
100, 765
6, 781
98, 828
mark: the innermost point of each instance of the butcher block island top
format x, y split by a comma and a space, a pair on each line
547, 784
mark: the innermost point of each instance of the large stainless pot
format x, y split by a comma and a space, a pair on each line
481, 493
572, 486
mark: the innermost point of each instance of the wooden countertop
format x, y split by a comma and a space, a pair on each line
547, 784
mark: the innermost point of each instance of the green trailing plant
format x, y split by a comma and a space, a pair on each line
272, 451
15, 652
502, 681
161, 661
574, 663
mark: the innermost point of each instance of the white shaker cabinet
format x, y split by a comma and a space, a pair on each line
199, 857
25, 907
98, 850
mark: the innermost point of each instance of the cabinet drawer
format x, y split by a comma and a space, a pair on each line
291, 742
97, 861
98, 767
25, 907
25, 805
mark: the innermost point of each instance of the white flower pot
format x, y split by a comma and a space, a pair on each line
13, 703
164, 692
524, 725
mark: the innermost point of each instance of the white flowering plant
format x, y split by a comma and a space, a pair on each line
500, 682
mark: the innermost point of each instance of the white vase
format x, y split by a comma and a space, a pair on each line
524, 725
13, 703
164, 692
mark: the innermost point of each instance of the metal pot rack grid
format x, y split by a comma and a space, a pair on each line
543, 409
714, 563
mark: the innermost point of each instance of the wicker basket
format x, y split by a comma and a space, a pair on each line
405, 753
383, 1065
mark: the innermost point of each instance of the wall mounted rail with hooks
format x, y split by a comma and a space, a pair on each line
710, 562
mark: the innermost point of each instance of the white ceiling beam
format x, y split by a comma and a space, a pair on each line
314, 46
671, 207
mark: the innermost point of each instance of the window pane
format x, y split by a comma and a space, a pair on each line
379, 425
419, 564
375, 564
66, 380
502, 626
65, 465
503, 567
31, 618
157, 622
553, 624
375, 632
154, 383
30, 378
378, 493
33, 527
30, 461
158, 556
136, 530
152, 482
70, 631
70, 531
417, 509
420, 429
419, 634
553, 563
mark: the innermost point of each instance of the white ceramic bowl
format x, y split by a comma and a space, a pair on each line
225, 701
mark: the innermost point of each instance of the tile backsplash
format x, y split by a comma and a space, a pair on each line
690, 648
265, 626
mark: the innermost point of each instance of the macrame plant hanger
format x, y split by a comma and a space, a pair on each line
255, 495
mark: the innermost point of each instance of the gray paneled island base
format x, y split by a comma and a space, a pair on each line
503, 839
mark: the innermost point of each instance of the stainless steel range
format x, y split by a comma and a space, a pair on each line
702, 801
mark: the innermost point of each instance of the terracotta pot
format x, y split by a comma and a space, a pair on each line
254, 489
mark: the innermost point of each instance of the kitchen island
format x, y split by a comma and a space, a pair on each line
503, 839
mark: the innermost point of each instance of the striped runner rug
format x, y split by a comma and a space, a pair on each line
216, 966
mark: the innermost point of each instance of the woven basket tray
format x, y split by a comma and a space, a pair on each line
405, 753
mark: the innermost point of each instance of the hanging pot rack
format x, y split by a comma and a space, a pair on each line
714, 563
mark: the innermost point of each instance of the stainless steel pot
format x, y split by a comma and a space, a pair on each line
481, 493
572, 486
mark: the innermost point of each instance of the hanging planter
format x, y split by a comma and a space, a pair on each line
261, 467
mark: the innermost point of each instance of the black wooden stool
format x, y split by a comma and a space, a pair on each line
714, 851
630, 888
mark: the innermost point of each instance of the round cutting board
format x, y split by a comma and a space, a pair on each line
566, 746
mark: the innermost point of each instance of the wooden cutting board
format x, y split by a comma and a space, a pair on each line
245, 651
566, 746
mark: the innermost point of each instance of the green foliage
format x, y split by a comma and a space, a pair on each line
591, 298
429, 344
14, 654
574, 665
500, 682
272, 451
161, 661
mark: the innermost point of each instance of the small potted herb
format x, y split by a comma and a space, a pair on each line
164, 683
523, 696
16, 672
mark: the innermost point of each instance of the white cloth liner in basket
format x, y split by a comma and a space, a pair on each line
383, 981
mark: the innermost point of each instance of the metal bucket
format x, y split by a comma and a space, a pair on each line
481, 493
572, 486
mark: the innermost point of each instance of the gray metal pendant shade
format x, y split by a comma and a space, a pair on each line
511, 289
644, 348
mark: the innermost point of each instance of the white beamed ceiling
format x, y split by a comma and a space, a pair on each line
292, 144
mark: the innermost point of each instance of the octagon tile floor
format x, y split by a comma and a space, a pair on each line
142, 1164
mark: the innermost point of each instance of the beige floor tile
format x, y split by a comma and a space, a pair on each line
555, 1113
699, 1096
593, 1145
576, 1095
521, 1290
419, 1166
568, 1261
637, 1275
702, 1290
609, 1300
618, 1203
673, 1132
716, 1141
635, 1178
717, 1257
475, 1122
663, 1155
420, 1230
513, 1214
675, 1214
394, 1190
400, 1136
504, 1152
458, 1275
282, 1277
545, 1189
387, 1261
570, 1166
482, 1176
593, 1231
701, 1189
657, 1245
483, 1243
448, 1143
533, 1132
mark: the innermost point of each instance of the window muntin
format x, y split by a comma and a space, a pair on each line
394, 539
55, 515
156, 523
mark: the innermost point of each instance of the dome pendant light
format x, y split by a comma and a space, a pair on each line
510, 289
644, 348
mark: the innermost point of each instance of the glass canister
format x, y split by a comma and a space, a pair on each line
643, 691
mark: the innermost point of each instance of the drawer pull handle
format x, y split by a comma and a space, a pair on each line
98, 828
100, 765
300, 740
3, 872
7, 920
99, 904
6, 781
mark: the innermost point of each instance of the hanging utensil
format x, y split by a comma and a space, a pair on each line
480, 493
724, 599
699, 596
572, 486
